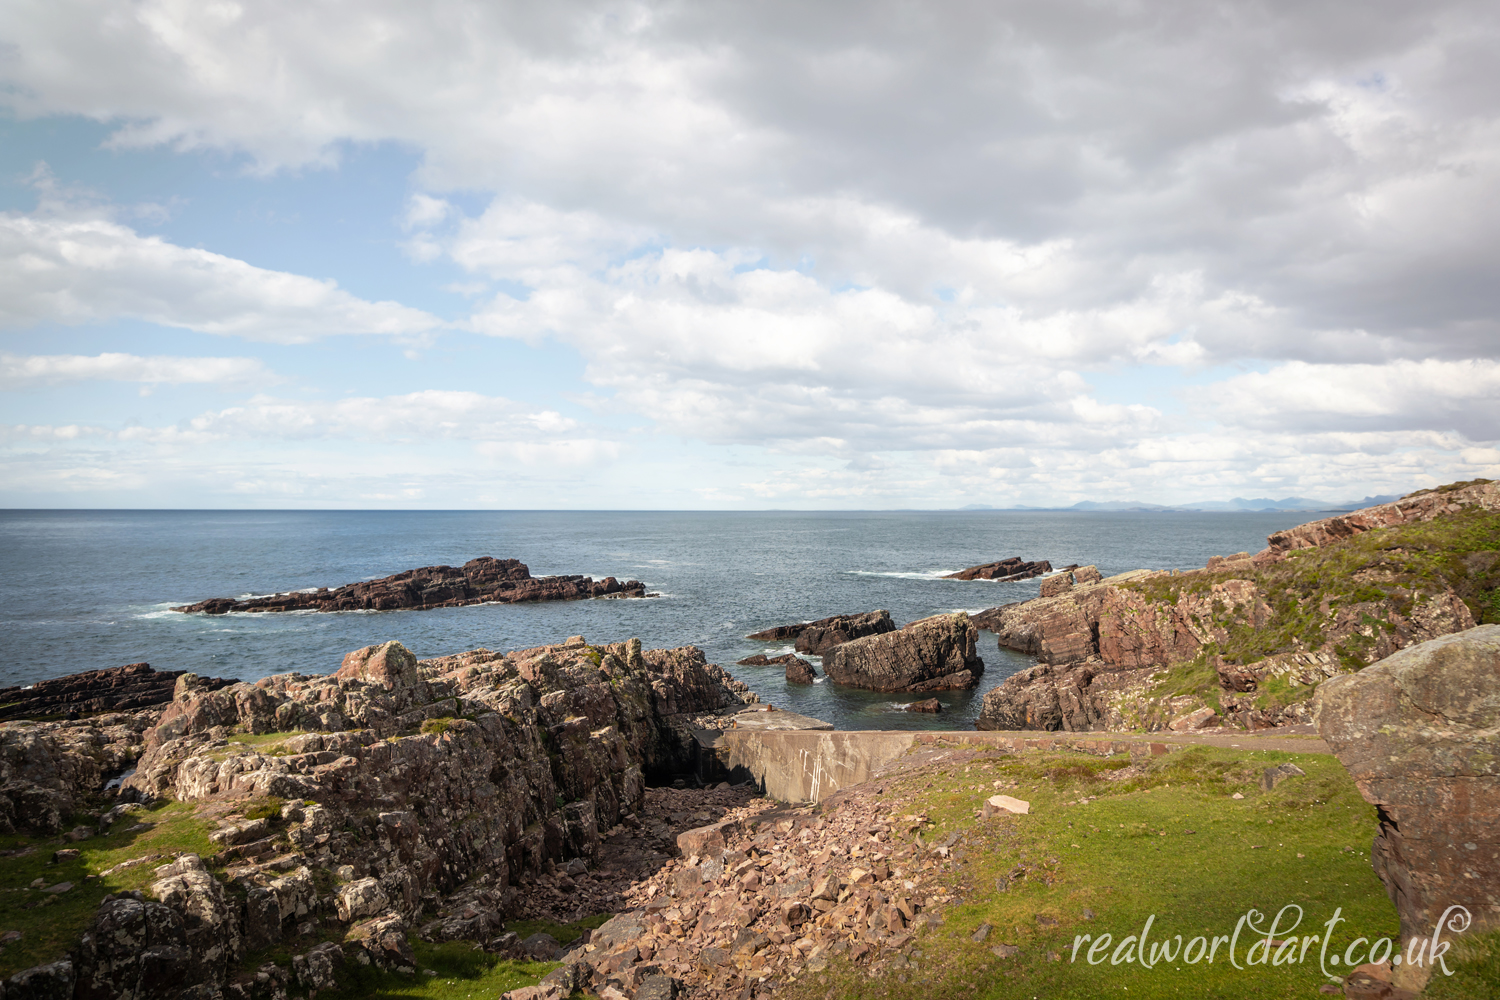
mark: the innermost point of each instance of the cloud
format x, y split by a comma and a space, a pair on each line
499, 429
880, 239
1338, 172
1430, 395
23, 370
71, 266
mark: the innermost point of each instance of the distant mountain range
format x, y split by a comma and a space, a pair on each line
1238, 504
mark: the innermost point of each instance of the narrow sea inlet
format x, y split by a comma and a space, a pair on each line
83, 590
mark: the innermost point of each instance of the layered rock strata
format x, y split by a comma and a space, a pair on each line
819, 637
934, 654
485, 580
1068, 579
116, 689
1014, 568
401, 782
1419, 733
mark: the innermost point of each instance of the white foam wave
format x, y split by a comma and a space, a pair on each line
930, 574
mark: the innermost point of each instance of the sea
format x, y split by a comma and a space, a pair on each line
83, 590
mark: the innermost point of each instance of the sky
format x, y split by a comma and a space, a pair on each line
739, 256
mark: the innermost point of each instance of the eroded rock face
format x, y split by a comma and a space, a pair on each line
1420, 734
820, 637
48, 769
413, 782
1014, 568
935, 654
485, 580
529, 756
1098, 646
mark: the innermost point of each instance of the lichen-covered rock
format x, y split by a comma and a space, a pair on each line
210, 918
1420, 734
382, 942
50, 769
361, 899
135, 949
53, 981
935, 654
318, 968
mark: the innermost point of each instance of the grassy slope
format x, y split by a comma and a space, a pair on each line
1129, 855
52, 924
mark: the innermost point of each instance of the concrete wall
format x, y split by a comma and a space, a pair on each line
803, 766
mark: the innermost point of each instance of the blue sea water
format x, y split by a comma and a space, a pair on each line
82, 590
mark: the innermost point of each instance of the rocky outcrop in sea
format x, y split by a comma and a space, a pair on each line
485, 580
819, 637
1014, 568
934, 654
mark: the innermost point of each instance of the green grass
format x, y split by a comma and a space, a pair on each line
463, 973
561, 933
1169, 842
51, 925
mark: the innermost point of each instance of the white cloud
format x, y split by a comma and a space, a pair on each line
1338, 172
1431, 395
22, 370
67, 266
876, 237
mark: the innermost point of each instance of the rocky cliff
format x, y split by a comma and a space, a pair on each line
1247, 639
485, 580
356, 801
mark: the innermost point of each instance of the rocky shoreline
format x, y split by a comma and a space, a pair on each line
485, 580
1105, 647
116, 689
388, 789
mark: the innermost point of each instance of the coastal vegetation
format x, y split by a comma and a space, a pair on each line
1189, 839
1341, 598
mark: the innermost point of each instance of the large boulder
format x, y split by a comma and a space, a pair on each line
1419, 732
935, 654
822, 636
